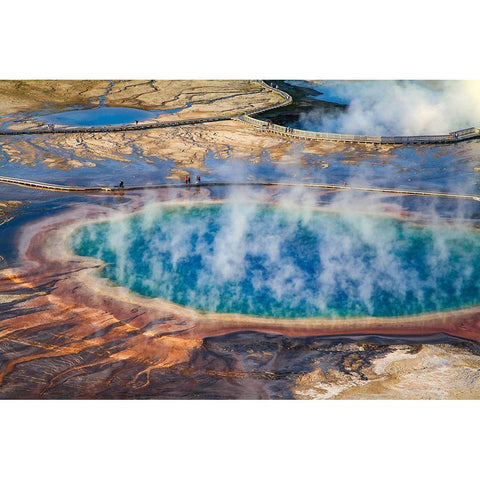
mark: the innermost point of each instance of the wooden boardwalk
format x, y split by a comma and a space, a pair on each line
326, 186
452, 137
47, 129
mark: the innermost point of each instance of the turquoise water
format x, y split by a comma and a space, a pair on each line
261, 260
98, 116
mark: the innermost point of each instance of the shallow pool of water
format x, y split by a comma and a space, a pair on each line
99, 116
278, 262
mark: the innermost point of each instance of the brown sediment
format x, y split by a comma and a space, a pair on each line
428, 371
186, 146
67, 324
8, 206
206, 97
44, 244
7, 213
25, 95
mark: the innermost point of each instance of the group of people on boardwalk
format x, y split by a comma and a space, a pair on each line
188, 180
270, 125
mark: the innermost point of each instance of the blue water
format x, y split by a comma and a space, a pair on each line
99, 116
389, 107
328, 90
275, 262
344, 91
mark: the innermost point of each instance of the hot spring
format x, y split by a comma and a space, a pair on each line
258, 259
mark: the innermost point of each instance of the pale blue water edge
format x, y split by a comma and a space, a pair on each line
91, 117
267, 261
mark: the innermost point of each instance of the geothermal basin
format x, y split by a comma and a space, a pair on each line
149, 282
274, 261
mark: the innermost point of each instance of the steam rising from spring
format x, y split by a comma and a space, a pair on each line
400, 107
287, 259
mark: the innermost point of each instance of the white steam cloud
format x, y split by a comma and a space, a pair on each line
400, 108
243, 233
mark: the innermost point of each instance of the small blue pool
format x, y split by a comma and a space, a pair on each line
99, 116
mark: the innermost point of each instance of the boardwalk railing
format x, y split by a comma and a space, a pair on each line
458, 136
47, 129
453, 137
287, 99
327, 186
